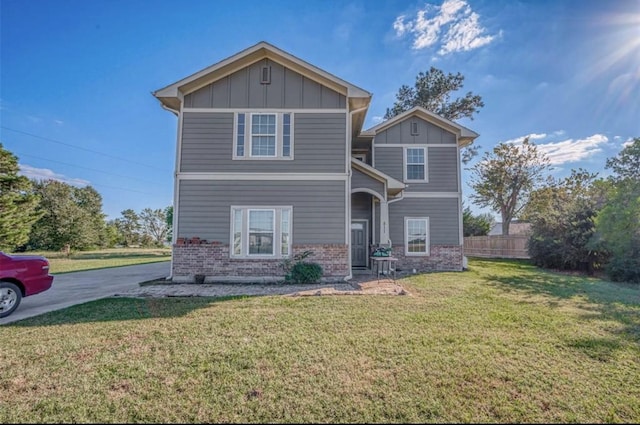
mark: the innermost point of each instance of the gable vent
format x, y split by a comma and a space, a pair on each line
414, 128
265, 75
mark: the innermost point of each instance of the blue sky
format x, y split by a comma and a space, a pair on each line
76, 76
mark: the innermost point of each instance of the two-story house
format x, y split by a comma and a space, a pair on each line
271, 160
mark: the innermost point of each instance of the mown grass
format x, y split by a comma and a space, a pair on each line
503, 342
104, 258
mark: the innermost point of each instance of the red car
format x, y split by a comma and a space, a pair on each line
21, 276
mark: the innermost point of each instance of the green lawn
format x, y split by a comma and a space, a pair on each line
100, 259
502, 342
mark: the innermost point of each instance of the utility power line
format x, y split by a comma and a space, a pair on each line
81, 148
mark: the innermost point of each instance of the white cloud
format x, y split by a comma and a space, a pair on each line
568, 150
377, 120
47, 174
629, 142
453, 24
532, 136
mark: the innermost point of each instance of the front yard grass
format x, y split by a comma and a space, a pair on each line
100, 259
503, 342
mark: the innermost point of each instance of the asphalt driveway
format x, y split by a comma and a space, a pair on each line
79, 287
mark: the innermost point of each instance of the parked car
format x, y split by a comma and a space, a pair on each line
21, 276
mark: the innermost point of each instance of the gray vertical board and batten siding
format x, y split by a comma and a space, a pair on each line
318, 145
428, 133
361, 180
442, 168
287, 89
318, 207
443, 216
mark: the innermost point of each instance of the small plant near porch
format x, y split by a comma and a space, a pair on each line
298, 271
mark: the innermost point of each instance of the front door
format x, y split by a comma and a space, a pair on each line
359, 241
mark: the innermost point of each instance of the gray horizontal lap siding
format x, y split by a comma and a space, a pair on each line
442, 168
318, 207
318, 145
427, 133
361, 180
288, 89
361, 206
443, 216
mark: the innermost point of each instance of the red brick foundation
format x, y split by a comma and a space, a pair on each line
441, 258
213, 261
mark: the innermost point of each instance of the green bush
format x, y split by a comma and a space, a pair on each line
301, 272
304, 273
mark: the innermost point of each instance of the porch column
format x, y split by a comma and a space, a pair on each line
384, 223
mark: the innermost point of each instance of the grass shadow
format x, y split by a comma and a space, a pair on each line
123, 309
603, 300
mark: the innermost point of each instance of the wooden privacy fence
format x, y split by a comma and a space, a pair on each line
498, 246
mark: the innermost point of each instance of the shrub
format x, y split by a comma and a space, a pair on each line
301, 272
304, 273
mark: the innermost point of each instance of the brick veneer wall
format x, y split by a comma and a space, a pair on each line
440, 258
213, 261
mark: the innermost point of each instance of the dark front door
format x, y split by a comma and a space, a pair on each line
359, 243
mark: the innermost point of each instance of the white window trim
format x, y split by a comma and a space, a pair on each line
406, 237
248, 139
404, 165
244, 234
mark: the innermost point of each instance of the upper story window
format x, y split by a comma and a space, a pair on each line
263, 136
415, 164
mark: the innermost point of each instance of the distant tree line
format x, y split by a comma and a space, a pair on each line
52, 215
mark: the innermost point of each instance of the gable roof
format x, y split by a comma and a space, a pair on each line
171, 95
465, 136
393, 186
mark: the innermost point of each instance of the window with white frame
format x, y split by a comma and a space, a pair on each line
261, 232
415, 164
263, 135
416, 236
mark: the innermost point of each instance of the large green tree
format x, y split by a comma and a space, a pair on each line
618, 223
506, 176
562, 217
18, 203
71, 217
434, 90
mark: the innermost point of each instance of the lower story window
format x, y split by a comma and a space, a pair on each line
416, 236
260, 232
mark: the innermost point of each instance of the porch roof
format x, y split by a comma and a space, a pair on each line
393, 186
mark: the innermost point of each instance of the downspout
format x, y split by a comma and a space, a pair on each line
175, 184
391, 201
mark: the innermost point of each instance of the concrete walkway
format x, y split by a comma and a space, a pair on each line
79, 287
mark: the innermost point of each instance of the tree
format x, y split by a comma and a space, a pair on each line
18, 203
618, 223
71, 217
627, 164
562, 223
505, 178
129, 227
432, 91
169, 214
473, 225
154, 224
